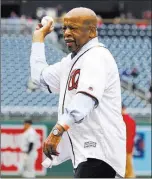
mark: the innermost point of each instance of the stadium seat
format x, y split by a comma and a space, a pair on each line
130, 46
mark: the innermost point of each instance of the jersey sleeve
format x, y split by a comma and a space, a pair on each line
80, 106
93, 75
32, 137
42, 74
51, 77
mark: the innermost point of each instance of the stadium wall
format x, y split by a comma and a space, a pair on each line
142, 149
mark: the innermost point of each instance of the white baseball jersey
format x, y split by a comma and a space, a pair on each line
27, 168
30, 135
93, 71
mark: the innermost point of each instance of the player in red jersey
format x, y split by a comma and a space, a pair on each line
130, 132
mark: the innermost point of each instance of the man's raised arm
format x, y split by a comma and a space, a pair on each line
41, 73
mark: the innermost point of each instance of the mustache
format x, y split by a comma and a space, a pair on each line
69, 40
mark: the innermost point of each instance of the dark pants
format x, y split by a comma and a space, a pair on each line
94, 168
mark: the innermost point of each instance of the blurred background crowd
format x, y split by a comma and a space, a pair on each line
123, 26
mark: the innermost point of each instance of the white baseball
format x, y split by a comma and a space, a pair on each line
45, 20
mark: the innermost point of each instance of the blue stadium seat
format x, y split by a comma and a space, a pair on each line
130, 46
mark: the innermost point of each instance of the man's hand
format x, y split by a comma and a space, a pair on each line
52, 141
41, 31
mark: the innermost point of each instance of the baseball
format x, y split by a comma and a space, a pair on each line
46, 19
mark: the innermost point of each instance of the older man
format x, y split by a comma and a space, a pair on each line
88, 82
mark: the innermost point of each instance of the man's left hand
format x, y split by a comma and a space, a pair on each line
52, 141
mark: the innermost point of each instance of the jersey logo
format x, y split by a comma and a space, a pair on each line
74, 78
90, 144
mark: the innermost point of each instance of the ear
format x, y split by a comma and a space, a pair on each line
92, 33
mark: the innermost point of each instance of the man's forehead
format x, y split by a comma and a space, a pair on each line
73, 19
79, 16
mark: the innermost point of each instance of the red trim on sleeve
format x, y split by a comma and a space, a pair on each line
66, 127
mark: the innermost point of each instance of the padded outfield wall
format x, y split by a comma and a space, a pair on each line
11, 136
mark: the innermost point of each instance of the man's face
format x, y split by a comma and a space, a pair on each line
76, 34
26, 126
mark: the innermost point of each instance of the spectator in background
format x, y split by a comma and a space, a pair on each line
126, 72
99, 21
134, 87
147, 15
130, 16
134, 72
122, 16
59, 10
117, 20
13, 15
130, 132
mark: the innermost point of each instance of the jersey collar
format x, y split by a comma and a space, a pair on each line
93, 42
